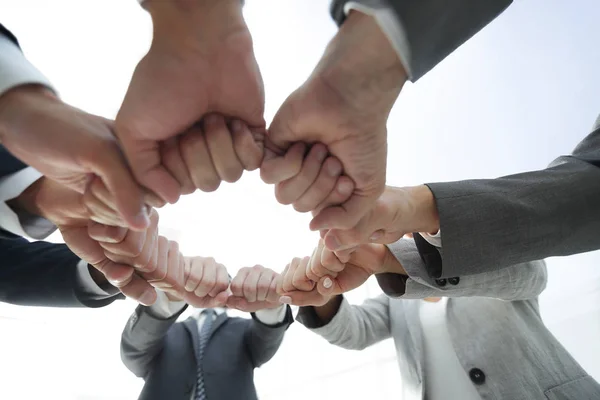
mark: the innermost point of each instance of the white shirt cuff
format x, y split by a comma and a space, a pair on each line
390, 25
434, 240
86, 282
272, 316
165, 308
15, 69
29, 226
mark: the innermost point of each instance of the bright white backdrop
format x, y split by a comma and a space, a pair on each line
519, 94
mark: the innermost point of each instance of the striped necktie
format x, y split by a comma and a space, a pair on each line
204, 335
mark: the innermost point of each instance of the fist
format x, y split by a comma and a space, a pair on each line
254, 289
205, 282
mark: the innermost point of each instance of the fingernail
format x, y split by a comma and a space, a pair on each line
327, 283
236, 125
334, 169
345, 188
147, 298
285, 300
376, 236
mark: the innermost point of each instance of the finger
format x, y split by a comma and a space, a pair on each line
287, 192
300, 281
325, 287
248, 146
237, 284
339, 239
322, 187
277, 169
209, 279
198, 161
169, 275
194, 269
251, 283
288, 279
139, 290
133, 243
156, 276
147, 261
303, 299
175, 164
272, 294
340, 194
222, 282
99, 190
331, 262
264, 284
280, 279
109, 164
345, 255
105, 233
100, 212
220, 146
130, 284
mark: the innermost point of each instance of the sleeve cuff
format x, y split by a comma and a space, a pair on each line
272, 316
332, 330
25, 225
86, 283
15, 69
389, 24
434, 240
164, 308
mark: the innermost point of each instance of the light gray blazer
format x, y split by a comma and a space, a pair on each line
500, 333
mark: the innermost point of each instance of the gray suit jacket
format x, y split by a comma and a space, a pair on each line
434, 28
502, 333
163, 353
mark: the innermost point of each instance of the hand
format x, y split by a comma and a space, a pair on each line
201, 61
206, 283
254, 289
309, 183
297, 283
68, 146
397, 212
345, 104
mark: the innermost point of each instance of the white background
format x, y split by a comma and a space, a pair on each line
522, 92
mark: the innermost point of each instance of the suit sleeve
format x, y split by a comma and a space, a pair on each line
353, 327
489, 224
518, 282
42, 274
143, 339
263, 341
15, 69
432, 29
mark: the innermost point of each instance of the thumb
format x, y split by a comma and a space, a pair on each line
326, 286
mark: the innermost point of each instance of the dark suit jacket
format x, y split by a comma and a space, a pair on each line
163, 353
40, 273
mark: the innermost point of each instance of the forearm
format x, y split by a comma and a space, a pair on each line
263, 340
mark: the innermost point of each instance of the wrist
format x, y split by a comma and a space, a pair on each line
390, 264
425, 209
201, 25
361, 58
15, 101
327, 311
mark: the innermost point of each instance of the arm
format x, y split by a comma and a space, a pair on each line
143, 336
528, 216
347, 326
48, 275
424, 32
518, 282
263, 340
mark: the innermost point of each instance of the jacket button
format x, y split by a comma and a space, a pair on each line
440, 282
477, 376
454, 281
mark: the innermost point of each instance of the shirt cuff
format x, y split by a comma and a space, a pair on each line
163, 307
272, 316
87, 285
434, 240
22, 224
15, 69
390, 25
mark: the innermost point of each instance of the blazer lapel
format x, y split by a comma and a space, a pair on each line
221, 318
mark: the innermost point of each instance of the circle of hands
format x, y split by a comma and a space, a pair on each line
193, 116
